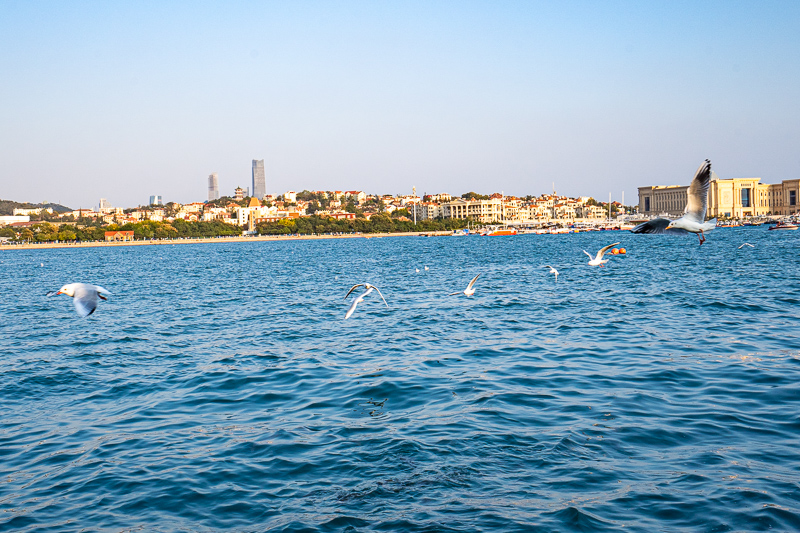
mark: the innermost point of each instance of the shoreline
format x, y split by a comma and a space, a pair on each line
208, 240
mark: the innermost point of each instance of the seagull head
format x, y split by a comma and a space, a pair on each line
68, 289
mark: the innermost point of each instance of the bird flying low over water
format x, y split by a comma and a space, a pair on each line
745, 244
598, 259
369, 288
469, 291
553, 270
694, 216
84, 296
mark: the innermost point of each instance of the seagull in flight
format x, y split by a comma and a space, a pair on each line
694, 216
360, 299
598, 259
745, 244
553, 270
84, 296
470, 290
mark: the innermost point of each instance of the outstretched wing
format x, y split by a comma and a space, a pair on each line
379, 292
657, 225
471, 283
604, 249
590, 255
354, 287
698, 194
85, 301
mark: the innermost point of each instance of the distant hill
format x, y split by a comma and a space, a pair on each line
7, 207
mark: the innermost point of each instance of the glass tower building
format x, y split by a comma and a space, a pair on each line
259, 181
213, 187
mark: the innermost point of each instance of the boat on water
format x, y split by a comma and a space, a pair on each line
495, 231
783, 225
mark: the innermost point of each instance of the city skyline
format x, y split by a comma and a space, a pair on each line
380, 97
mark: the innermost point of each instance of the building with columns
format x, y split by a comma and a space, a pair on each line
727, 198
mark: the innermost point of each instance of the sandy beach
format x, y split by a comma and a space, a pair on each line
208, 240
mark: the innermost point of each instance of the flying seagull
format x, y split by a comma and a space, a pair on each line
553, 270
694, 216
84, 296
598, 259
745, 244
469, 291
361, 298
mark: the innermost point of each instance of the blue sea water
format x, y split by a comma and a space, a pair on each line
220, 387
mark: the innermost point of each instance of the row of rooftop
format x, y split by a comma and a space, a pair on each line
496, 208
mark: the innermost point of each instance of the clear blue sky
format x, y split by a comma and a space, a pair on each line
127, 99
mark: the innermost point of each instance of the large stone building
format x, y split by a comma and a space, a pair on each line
727, 198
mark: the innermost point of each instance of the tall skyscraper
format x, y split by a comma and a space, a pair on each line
104, 204
213, 187
259, 180
156, 200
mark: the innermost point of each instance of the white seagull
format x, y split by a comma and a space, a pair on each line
598, 260
745, 244
553, 270
426, 267
84, 296
361, 298
694, 216
417, 270
469, 291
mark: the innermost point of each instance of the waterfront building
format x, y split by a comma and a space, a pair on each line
426, 210
104, 204
156, 200
14, 219
119, 236
727, 198
21, 211
213, 187
259, 179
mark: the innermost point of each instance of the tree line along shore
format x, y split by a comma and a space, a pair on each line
90, 231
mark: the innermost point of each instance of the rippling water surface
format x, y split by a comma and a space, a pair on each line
221, 389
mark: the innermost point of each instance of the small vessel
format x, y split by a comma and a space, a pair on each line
495, 231
783, 225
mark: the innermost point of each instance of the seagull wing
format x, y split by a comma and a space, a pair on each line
471, 283
352, 308
657, 225
604, 249
379, 292
698, 194
590, 255
85, 300
547, 266
354, 287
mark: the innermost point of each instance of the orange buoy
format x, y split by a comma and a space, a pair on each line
622, 251
614, 251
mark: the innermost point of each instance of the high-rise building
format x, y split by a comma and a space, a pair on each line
156, 200
213, 187
104, 204
259, 180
